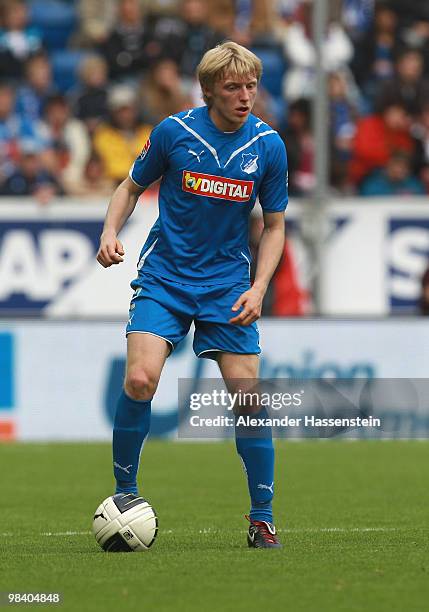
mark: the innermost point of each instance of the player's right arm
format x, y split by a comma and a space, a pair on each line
122, 204
149, 166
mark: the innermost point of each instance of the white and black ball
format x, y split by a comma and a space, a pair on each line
125, 523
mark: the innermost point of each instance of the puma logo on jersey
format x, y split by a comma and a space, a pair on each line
216, 186
197, 155
189, 114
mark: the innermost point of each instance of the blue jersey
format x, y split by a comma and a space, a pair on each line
210, 181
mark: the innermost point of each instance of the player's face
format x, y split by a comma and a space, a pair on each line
232, 100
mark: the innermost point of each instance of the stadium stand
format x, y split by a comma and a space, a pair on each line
56, 20
376, 55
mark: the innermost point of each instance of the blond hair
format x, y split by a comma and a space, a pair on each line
91, 63
230, 59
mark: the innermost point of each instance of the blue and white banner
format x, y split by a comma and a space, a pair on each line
48, 265
375, 255
408, 252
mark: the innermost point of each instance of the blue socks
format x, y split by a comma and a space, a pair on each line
256, 450
255, 447
130, 428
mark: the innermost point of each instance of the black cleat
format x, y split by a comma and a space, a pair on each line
262, 534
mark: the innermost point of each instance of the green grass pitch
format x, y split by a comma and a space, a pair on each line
353, 518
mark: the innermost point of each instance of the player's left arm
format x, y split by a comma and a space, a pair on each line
270, 250
273, 197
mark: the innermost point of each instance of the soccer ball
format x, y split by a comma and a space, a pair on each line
125, 523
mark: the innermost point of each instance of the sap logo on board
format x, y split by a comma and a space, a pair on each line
38, 260
408, 258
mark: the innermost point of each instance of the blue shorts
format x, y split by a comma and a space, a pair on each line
166, 309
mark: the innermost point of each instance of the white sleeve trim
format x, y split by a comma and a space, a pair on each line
134, 181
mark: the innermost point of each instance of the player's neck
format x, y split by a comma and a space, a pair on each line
223, 123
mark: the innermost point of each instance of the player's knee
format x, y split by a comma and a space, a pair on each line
140, 384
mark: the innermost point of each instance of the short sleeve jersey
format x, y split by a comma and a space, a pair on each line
210, 182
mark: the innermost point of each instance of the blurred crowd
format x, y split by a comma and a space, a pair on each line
83, 82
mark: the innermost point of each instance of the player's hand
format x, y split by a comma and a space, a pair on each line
251, 302
111, 250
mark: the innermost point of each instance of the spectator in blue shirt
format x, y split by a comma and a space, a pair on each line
38, 87
18, 40
393, 180
14, 129
30, 178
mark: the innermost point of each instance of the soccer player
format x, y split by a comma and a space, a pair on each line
214, 161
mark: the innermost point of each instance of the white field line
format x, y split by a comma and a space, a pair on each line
210, 530
323, 530
341, 529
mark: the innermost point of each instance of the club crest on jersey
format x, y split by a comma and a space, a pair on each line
145, 149
249, 163
213, 186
